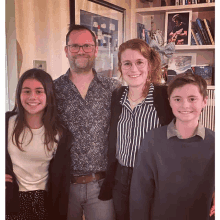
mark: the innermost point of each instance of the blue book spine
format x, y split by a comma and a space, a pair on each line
198, 30
186, 2
203, 31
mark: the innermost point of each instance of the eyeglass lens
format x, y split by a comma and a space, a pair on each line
86, 48
139, 64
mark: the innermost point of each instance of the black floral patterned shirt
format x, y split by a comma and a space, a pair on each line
88, 120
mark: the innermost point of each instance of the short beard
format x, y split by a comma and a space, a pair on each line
86, 68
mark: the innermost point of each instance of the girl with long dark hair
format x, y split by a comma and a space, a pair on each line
33, 136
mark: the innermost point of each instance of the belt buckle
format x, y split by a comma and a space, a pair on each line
84, 179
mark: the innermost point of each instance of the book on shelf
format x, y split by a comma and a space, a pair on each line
147, 36
142, 33
201, 1
177, 2
193, 40
140, 28
198, 34
199, 39
186, 2
194, 36
189, 2
209, 30
202, 30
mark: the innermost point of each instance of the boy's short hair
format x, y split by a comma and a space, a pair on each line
188, 78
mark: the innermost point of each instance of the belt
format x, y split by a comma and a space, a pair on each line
88, 178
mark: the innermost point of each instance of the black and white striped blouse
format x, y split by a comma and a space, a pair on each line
133, 125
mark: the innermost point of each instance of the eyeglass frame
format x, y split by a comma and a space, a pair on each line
80, 47
145, 61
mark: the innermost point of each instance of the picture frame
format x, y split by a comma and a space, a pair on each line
40, 64
180, 62
178, 28
107, 21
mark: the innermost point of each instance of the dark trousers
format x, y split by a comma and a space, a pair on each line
121, 192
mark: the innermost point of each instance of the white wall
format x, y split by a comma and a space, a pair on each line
41, 27
11, 73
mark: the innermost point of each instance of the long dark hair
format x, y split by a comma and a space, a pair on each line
152, 56
49, 118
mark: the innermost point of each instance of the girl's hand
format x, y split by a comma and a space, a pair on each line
8, 178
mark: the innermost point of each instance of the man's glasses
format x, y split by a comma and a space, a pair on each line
139, 64
74, 48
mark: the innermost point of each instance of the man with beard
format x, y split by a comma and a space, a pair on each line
84, 101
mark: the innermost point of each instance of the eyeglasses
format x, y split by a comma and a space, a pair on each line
139, 64
74, 48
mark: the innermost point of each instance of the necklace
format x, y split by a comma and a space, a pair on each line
134, 102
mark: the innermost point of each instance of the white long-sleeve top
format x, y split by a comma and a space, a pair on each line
31, 165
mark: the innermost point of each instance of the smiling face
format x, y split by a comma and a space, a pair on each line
135, 76
81, 61
187, 103
33, 97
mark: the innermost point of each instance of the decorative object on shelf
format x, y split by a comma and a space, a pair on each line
166, 50
107, 21
205, 71
180, 63
158, 36
178, 27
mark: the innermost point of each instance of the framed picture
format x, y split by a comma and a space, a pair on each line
178, 27
40, 64
181, 62
107, 21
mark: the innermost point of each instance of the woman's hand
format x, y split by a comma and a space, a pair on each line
212, 210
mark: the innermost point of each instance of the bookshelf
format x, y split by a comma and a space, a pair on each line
148, 13
193, 7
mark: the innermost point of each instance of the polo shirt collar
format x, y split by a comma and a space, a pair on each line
172, 131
